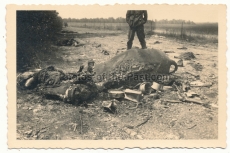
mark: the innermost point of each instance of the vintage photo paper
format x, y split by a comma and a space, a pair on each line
116, 76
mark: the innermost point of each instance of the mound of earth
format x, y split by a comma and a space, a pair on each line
196, 66
134, 65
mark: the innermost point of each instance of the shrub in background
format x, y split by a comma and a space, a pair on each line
34, 28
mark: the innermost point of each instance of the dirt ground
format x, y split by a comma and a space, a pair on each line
39, 118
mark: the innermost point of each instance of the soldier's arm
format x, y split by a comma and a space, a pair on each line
127, 16
145, 16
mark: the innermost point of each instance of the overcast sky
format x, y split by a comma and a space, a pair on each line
193, 13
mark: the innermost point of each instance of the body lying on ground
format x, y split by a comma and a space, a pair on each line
53, 83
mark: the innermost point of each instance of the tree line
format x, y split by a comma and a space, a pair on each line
123, 20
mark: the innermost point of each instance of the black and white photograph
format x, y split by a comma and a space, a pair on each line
119, 73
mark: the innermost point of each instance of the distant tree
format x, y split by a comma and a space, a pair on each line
65, 24
69, 20
173, 21
111, 19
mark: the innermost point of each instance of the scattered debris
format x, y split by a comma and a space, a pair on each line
139, 137
192, 126
196, 101
196, 66
116, 94
43, 130
198, 83
133, 107
122, 49
145, 121
167, 88
140, 124
100, 86
137, 86
157, 42
212, 76
180, 63
105, 52
96, 45
180, 96
173, 122
133, 95
172, 101
130, 132
74, 126
28, 132
183, 97
169, 51
130, 126
145, 88
195, 75
184, 48
154, 96
109, 106
187, 56
90, 68
71, 42
191, 94
156, 86
213, 106
185, 86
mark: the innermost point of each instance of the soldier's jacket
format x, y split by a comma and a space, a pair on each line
136, 18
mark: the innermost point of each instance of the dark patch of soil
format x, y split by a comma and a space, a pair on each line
187, 56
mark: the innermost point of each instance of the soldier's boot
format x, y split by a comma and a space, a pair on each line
143, 45
129, 45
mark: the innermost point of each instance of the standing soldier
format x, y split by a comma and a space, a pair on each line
136, 20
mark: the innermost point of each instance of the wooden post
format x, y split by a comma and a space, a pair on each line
182, 30
151, 25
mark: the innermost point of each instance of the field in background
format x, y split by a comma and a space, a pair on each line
201, 32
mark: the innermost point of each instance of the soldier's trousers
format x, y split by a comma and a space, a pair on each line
140, 34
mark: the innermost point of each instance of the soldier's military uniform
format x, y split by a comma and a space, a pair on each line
136, 20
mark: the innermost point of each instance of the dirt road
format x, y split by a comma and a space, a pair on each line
39, 118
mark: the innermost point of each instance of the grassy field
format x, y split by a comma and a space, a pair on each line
202, 32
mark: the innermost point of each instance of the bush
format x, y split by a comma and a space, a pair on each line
33, 29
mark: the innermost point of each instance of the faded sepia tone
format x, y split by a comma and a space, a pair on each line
92, 73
